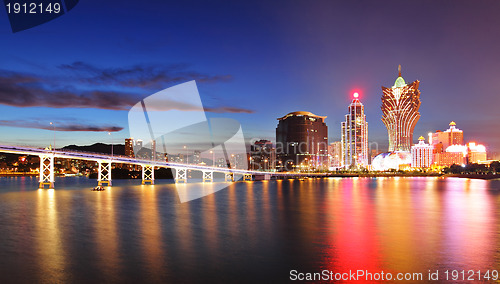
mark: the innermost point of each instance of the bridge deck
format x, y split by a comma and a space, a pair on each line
65, 154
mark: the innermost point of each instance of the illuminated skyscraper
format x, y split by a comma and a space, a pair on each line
400, 105
301, 141
355, 135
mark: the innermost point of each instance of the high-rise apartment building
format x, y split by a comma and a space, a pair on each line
129, 147
301, 141
421, 154
355, 135
400, 104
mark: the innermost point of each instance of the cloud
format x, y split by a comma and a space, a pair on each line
228, 110
167, 104
142, 76
30, 90
25, 90
60, 126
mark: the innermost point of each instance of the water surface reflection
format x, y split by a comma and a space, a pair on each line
248, 232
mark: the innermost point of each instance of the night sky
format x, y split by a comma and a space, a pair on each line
253, 61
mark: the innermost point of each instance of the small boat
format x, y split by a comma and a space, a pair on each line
98, 188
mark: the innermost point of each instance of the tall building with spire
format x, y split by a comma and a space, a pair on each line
355, 135
400, 104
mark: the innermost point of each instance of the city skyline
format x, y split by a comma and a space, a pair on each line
86, 86
249, 141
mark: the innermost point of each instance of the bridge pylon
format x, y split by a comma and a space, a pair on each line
148, 174
104, 174
46, 171
229, 176
247, 177
180, 175
208, 176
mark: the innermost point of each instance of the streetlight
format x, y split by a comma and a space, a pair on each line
213, 158
110, 134
251, 164
185, 147
54, 125
265, 162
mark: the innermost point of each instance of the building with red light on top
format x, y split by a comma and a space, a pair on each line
355, 135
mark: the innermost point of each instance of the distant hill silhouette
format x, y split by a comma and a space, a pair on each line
118, 149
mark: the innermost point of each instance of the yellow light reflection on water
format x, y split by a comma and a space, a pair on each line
50, 252
211, 223
150, 225
107, 240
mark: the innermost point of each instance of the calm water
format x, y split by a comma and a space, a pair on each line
248, 232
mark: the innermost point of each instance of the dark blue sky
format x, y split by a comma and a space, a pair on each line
259, 60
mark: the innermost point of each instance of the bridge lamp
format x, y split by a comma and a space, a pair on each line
213, 158
54, 125
110, 134
185, 147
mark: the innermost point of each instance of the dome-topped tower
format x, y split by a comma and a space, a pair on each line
400, 106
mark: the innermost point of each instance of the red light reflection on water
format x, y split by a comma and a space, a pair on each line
409, 225
352, 238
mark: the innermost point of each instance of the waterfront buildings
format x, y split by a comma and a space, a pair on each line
449, 148
335, 155
399, 160
196, 157
454, 154
422, 154
262, 155
355, 136
443, 139
400, 104
129, 147
301, 141
476, 153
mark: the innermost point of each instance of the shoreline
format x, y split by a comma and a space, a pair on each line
474, 176
341, 175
